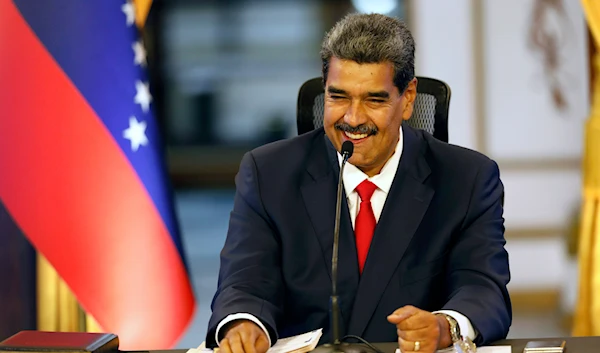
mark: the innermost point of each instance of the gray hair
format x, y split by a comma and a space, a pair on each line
372, 38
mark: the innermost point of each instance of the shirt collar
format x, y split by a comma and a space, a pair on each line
354, 176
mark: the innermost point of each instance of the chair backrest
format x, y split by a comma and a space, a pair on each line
430, 109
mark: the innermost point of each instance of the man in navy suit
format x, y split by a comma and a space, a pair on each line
422, 258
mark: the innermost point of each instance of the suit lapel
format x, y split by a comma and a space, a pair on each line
319, 194
405, 206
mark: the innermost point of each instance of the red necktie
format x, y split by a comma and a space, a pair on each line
365, 222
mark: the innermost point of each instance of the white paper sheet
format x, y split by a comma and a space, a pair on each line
291, 344
283, 345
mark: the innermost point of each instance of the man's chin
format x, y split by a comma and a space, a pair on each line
357, 160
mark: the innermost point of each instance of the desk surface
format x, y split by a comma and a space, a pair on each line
574, 345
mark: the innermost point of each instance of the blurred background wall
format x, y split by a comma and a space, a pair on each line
519, 71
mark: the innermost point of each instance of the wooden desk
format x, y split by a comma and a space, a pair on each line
574, 345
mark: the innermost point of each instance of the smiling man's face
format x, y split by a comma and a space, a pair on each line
363, 105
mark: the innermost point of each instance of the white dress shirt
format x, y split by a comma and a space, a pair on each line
352, 178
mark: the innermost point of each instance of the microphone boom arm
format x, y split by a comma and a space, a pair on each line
334, 300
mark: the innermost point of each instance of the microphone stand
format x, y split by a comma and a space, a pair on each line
334, 300
334, 306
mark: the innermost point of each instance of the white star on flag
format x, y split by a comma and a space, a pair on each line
136, 133
142, 96
140, 53
129, 11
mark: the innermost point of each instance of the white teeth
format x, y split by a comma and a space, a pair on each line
356, 136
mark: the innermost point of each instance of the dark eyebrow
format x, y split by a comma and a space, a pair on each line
333, 90
380, 94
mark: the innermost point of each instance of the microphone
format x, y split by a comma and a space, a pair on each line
334, 305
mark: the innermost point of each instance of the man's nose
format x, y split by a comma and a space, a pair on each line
355, 115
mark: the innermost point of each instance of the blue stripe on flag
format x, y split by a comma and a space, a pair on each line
92, 43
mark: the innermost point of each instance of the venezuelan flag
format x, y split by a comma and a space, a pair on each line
82, 173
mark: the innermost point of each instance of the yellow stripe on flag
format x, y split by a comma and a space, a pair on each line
587, 314
58, 309
592, 13
142, 8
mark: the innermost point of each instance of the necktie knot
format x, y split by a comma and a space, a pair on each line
365, 190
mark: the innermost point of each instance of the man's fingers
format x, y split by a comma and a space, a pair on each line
248, 340
402, 314
416, 322
415, 335
262, 344
235, 342
242, 337
406, 346
224, 346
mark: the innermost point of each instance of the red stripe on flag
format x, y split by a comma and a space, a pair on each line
74, 194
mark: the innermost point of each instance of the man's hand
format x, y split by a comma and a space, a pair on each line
244, 336
415, 325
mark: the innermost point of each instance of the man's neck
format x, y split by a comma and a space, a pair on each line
371, 172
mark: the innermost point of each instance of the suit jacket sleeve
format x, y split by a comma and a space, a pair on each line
250, 278
478, 266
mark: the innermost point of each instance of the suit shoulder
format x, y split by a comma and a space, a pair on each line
286, 151
456, 156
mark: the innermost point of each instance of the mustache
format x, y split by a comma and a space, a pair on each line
360, 129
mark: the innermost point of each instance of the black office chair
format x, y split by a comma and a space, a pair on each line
430, 110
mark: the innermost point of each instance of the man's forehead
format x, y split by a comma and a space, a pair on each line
349, 70
358, 79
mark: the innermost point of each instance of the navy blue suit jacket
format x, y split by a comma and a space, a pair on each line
439, 242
